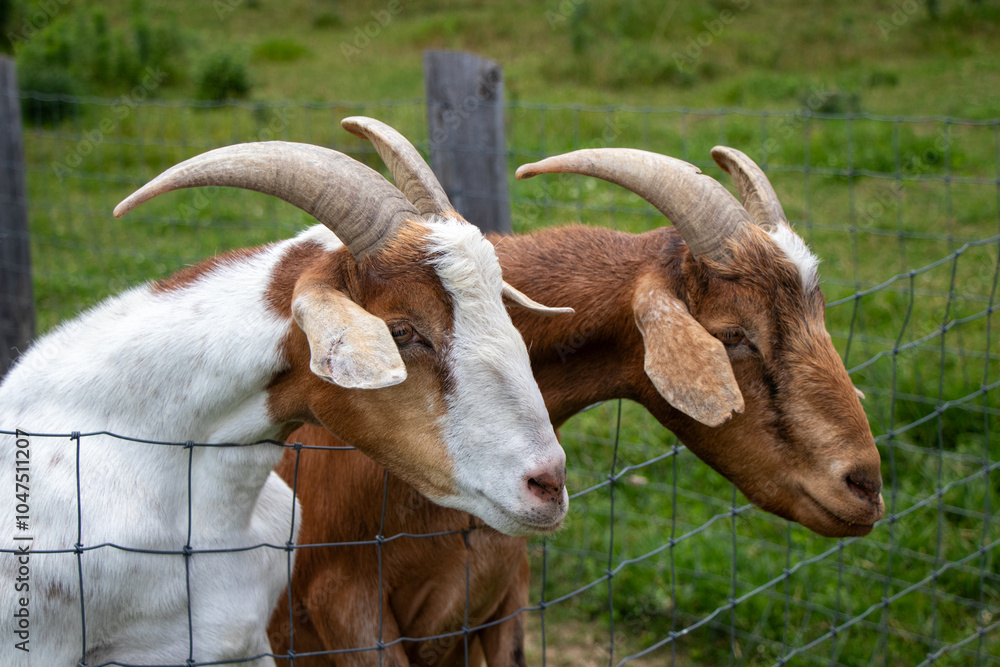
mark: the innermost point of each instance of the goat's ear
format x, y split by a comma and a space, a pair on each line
688, 365
348, 345
521, 299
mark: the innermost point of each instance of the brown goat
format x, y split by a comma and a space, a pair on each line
690, 323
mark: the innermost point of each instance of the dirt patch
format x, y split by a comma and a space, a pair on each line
579, 644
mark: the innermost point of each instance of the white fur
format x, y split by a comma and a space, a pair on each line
323, 236
798, 253
191, 364
497, 428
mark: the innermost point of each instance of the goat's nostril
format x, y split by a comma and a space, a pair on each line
867, 489
550, 487
545, 486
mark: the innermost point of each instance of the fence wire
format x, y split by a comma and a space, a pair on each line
661, 561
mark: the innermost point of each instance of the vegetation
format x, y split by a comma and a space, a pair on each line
7, 18
223, 76
874, 198
81, 53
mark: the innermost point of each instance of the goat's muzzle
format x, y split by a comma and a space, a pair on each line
546, 497
847, 505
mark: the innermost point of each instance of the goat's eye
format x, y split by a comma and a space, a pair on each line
733, 336
402, 333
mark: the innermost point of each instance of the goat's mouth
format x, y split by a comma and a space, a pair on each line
521, 524
828, 521
533, 528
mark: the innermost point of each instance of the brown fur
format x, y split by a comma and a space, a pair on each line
396, 284
423, 577
800, 412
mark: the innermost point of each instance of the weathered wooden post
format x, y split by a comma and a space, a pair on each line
465, 119
17, 305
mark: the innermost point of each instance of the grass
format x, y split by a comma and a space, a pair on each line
589, 52
874, 198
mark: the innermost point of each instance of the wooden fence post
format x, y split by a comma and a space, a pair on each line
17, 305
465, 120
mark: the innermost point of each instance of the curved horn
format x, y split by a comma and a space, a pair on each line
759, 198
408, 168
702, 210
414, 177
363, 209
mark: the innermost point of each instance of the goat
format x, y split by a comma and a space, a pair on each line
715, 325
385, 327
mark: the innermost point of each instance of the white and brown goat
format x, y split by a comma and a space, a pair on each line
384, 326
715, 325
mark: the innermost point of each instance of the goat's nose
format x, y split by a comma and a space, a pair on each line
865, 483
547, 485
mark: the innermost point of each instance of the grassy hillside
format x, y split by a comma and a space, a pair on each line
880, 56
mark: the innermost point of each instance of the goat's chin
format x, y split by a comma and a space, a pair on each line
505, 520
528, 530
518, 525
820, 518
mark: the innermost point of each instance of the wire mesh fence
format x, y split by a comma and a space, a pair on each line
662, 561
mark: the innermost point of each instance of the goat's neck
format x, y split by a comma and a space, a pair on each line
188, 359
597, 353
185, 359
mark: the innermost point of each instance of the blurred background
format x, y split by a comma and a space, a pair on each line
879, 126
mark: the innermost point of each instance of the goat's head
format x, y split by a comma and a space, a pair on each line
398, 340
738, 359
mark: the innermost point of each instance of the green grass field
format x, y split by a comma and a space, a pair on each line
810, 90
